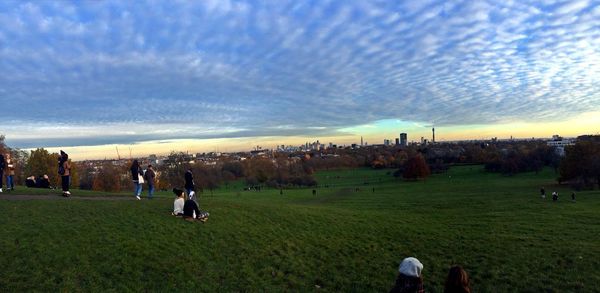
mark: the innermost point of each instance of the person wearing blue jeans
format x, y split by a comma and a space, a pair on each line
136, 174
149, 176
10, 185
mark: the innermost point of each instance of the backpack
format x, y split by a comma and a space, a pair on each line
61, 168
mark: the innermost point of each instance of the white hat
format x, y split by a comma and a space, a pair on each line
411, 267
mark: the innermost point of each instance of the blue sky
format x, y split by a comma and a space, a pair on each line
124, 72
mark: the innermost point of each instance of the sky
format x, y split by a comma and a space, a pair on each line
155, 76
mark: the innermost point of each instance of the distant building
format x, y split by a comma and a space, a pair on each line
560, 143
403, 139
397, 141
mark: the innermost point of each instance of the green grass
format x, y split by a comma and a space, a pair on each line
341, 240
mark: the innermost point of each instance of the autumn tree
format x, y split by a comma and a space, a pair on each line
415, 168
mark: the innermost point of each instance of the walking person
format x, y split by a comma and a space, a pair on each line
189, 183
149, 176
573, 196
64, 170
554, 196
137, 176
10, 183
2, 166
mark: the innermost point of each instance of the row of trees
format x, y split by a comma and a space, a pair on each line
581, 165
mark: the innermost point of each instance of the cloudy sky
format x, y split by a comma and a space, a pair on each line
221, 73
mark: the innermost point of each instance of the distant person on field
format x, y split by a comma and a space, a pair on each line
457, 281
64, 170
573, 196
136, 173
543, 192
189, 182
2, 166
179, 202
10, 166
554, 196
150, 175
409, 277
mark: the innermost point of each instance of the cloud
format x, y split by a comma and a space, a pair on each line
244, 67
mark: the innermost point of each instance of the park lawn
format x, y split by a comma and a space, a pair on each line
347, 238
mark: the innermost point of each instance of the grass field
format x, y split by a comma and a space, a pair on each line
341, 240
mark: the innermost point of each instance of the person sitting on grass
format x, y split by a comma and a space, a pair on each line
409, 277
190, 207
178, 203
457, 281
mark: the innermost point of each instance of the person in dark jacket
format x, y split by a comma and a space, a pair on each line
189, 182
2, 166
409, 278
149, 176
64, 170
457, 281
136, 173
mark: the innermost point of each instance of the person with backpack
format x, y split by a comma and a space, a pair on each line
64, 170
136, 175
149, 176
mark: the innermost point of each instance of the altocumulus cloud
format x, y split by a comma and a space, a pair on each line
117, 72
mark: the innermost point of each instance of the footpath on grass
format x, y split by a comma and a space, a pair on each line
5, 196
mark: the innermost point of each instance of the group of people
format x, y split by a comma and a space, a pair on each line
410, 279
554, 195
139, 176
8, 167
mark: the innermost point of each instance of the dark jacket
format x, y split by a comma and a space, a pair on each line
406, 284
2, 163
135, 173
189, 207
149, 176
189, 180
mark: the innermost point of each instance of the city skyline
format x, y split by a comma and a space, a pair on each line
88, 77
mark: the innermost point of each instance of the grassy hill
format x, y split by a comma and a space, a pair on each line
342, 239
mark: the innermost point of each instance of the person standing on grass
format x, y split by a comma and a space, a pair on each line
2, 166
573, 196
554, 196
410, 279
64, 170
136, 173
457, 281
189, 183
10, 166
149, 175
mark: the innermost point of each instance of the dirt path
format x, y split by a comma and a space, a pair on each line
60, 197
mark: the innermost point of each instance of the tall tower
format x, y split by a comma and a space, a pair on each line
361, 141
433, 138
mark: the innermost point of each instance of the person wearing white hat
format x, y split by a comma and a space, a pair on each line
409, 277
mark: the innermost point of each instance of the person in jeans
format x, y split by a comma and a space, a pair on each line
136, 172
64, 170
149, 176
10, 166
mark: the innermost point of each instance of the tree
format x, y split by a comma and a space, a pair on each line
43, 163
107, 178
581, 164
416, 167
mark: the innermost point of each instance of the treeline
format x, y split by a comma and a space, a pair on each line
581, 165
